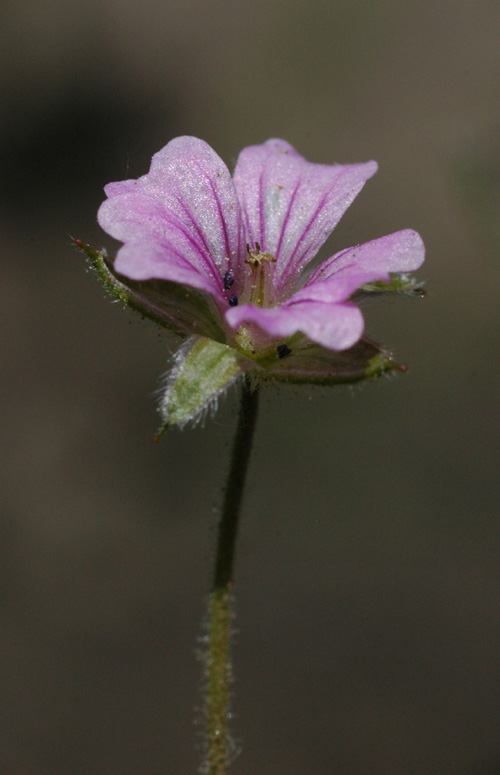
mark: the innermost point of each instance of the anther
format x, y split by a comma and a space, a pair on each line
233, 300
228, 280
283, 350
256, 257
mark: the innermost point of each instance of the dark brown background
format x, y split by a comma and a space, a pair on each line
368, 577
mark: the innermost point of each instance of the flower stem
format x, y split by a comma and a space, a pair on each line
217, 746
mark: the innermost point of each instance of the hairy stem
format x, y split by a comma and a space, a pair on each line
217, 745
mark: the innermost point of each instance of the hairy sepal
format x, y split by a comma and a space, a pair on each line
178, 308
400, 283
309, 363
203, 371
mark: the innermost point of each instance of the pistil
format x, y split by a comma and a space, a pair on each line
259, 289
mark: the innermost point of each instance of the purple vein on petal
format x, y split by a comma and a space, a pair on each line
206, 260
262, 218
171, 252
247, 226
287, 218
182, 257
290, 267
176, 252
222, 220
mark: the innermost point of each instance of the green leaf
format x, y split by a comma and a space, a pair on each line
203, 370
179, 308
309, 363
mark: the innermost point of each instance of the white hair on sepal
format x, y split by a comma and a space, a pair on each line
208, 409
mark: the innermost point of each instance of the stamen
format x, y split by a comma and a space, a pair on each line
283, 350
228, 280
233, 300
259, 288
256, 257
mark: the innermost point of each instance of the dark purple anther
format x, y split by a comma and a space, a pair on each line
283, 350
233, 300
228, 280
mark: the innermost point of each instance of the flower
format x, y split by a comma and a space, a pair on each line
224, 261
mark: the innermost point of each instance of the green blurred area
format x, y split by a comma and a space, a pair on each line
368, 575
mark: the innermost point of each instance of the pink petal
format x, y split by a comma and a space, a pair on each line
134, 215
188, 202
290, 206
146, 260
335, 326
122, 187
402, 251
335, 288
139, 219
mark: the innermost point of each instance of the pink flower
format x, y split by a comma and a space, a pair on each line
225, 263
246, 240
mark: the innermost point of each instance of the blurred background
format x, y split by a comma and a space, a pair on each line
368, 578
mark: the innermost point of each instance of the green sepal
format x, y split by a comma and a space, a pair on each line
202, 371
176, 307
309, 363
399, 283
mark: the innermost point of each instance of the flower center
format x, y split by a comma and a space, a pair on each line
258, 288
